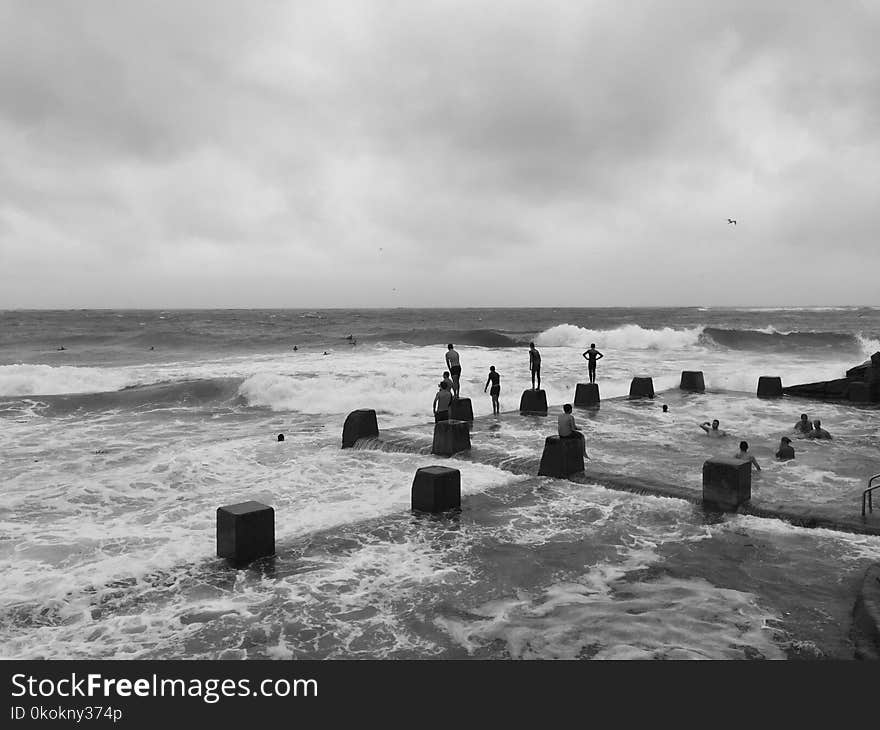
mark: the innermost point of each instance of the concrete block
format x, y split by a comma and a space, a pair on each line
359, 424
245, 532
461, 410
436, 489
727, 483
533, 402
562, 457
692, 380
586, 395
450, 437
769, 387
641, 388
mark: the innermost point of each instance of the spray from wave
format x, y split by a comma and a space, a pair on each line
627, 337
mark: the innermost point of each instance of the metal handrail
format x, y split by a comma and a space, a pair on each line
868, 493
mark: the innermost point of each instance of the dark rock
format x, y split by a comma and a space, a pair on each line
461, 410
769, 387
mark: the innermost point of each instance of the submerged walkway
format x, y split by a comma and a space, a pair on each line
653, 460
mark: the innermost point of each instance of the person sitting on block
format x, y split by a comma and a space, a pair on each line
744, 454
568, 428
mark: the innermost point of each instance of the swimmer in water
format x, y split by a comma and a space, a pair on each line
818, 432
803, 426
785, 451
744, 454
712, 429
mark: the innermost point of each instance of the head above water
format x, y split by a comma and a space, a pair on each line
804, 417
743, 445
715, 424
817, 423
665, 408
786, 440
281, 437
567, 408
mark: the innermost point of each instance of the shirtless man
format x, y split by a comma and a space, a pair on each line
803, 426
454, 365
535, 365
744, 454
785, 451
591, 356
568, 428
495, 379
818, 432
712, 429
441, 403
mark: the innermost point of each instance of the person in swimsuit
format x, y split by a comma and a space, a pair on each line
803, 426
441, 403
591, 356
446, 379
454, 365
535, 365
818, 432
495, 380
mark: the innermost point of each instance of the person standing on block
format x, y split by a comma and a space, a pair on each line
568, 428
786, 451
454, 365
441, 403
495, 380
744, 454
535, 365
591, 356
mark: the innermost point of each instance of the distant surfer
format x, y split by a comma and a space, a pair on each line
744, 454
803, 426
441, 403
591, 356
535, 365
818, 432
454, 364
495, 380
712, 429
785, 452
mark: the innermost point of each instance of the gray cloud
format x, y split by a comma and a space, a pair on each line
498, 153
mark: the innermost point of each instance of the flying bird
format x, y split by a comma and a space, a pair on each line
730, 220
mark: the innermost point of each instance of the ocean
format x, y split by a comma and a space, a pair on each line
117, 449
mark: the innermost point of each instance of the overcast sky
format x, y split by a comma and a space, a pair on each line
413, 153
